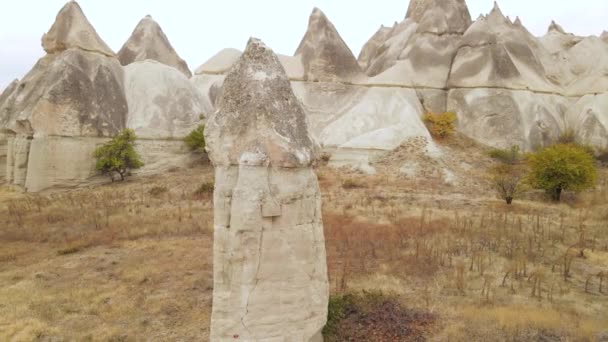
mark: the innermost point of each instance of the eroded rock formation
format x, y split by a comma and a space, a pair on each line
345, 113
55, 116
324, 54
270, 271
148, 41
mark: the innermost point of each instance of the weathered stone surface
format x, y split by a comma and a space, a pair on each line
324, 54
61, 162
220, 63
148, 41
495, 53
74, 93
210, 88
419, 51
440, 16
433, 100
504, 118
72, 30
373, 118
257, 93
370, 48
163, 104
588, 118
270, 271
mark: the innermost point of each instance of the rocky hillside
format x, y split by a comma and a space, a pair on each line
506, 86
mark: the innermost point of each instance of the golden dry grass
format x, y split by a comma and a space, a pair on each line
132, 261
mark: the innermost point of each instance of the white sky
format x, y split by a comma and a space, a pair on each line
198, 29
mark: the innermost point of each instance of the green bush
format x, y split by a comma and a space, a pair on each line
507, 156
563, 167
118, 156
196, 139
441, 126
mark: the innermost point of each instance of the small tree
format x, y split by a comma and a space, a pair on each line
507, 180
440, 125
508, 175
118, 155
196, 139
562, 167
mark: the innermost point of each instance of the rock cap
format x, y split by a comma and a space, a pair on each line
259, 120
72, 30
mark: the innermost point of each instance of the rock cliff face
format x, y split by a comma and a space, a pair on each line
345, 113
163, 104
270, 271
73, 96
148, 41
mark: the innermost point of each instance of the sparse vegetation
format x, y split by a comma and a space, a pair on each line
352, 184
507, 180
510, 156
441, 126
445, 263
118, 156
374, 316
507, 177
564, 167
205, 190
158, 190
196, 139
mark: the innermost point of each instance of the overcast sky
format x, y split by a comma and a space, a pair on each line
198, 29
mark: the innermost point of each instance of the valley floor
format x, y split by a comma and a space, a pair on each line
133, 261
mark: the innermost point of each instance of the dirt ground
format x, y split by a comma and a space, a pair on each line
132, 261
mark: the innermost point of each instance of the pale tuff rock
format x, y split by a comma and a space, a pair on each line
270, 270
555, 27
72, 30
419, 51
220, 63
5, 134
324, 55
604, 36
585, 67
440, 16
6, 93
74, 92
355, 117
588, 117
518, 22
162, 101
504, 118
148, 41
558, 42
495, 53
371, 47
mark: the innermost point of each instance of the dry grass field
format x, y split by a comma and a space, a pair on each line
132, 261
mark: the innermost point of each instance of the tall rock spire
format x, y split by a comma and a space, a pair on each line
72, 29
324, 53
270, 268
148, 41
